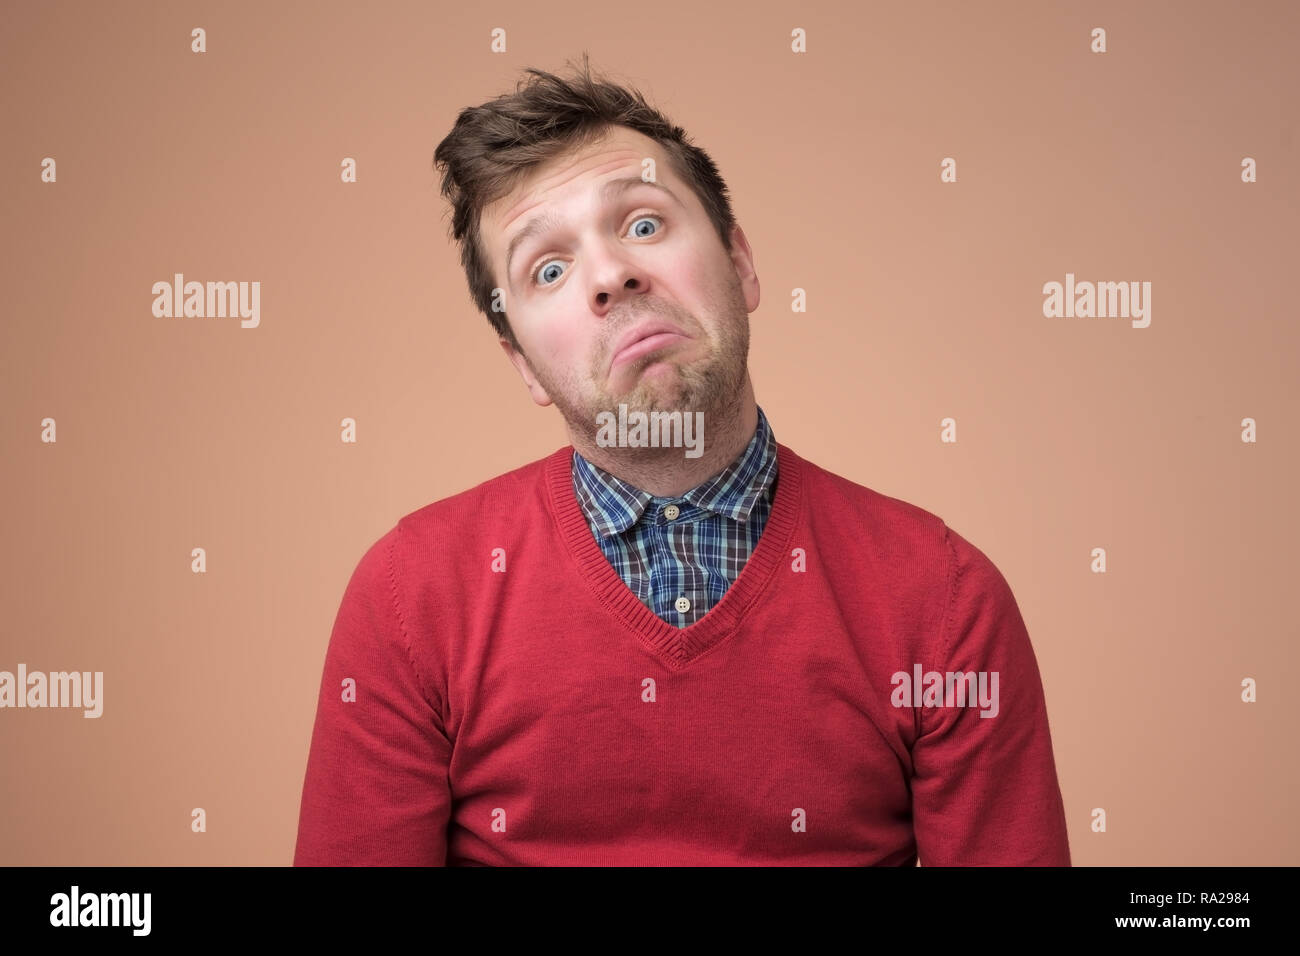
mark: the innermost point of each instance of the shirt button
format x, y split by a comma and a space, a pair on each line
671, 512
683, 605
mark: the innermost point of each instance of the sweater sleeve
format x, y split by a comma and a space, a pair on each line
984, 789
375, 791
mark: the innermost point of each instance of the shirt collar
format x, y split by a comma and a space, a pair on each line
612, 505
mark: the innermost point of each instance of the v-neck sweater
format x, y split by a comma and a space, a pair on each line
680, 553
493, 694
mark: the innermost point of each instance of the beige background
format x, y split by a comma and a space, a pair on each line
925, 301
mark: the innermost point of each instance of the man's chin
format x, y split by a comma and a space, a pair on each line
659, 387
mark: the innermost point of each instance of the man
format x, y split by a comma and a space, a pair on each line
683, 651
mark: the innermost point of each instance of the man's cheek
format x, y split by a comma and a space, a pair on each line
692, 280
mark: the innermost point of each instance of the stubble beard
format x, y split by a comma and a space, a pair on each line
711, 384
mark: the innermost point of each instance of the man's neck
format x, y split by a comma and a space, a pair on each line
667, 472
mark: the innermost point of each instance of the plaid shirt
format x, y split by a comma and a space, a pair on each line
696, 555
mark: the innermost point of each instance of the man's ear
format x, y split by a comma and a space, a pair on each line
525, 372
742, 259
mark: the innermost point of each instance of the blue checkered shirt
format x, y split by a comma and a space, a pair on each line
696, 555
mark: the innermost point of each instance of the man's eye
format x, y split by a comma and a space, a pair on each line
642, 235
551, 264
544, 269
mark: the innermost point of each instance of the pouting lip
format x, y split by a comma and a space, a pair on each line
636, 334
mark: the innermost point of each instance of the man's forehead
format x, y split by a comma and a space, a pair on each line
614, 156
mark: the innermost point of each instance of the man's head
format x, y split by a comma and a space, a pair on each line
557, 221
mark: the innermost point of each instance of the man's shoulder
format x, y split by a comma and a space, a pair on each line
507, 498
432, 539
835, 495
914, 536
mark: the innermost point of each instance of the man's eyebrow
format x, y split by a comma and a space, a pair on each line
546, 221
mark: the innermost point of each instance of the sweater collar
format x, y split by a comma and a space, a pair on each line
612, 505
677, 647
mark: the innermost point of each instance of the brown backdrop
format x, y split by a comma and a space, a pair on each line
925, 302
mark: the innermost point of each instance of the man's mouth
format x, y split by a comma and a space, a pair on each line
644, 346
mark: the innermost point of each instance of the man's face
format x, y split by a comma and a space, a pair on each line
613, 259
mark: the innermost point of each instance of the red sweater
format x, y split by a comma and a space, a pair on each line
515, 704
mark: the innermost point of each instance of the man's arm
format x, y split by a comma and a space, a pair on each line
375, 790
984, 789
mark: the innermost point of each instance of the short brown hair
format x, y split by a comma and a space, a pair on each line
493, 147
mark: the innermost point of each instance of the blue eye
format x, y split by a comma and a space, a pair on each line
640, 219
547, 268
550, 264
